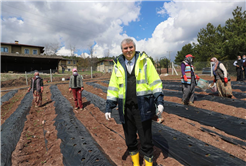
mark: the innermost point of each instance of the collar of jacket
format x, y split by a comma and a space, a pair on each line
138, 56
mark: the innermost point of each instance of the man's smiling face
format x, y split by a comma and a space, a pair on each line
128, 50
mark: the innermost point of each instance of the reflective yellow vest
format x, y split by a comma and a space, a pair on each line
148, 86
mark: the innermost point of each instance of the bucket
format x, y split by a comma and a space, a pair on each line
213, 87
203, 84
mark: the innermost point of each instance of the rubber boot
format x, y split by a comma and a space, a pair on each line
135, 158
148, 161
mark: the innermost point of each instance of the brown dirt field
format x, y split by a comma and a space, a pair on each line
32, 149
8, 107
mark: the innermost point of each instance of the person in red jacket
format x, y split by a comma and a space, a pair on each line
221, 78
188, 79
37, 88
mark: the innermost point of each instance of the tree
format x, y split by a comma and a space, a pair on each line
235, 33
51, 48
186, 49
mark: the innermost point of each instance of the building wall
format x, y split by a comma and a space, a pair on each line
8, 46
68, 66
16, 49
105, 66
30, 50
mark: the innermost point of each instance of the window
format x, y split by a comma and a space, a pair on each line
111, 63
74, 62
68, 62
26, 51
101, 63
68, 69
4, 49
35, 52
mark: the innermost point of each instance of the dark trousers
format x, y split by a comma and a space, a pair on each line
133, 125
244, 71
189, 91
77, 97
239, 74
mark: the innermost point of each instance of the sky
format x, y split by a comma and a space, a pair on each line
160, 28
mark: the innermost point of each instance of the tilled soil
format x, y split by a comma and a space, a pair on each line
39, 145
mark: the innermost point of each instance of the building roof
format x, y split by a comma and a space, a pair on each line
21, 44
30, 56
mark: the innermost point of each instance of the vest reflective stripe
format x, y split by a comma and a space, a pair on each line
111, 98
121, 85
155, 82
115, 69
145, 70
143, 93
157, 90
121, 96
141, 82
113, 88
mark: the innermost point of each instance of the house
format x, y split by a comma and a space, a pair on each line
68, 64
21, 58
105, 65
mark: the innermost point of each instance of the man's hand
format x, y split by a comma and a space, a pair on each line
82, 89
28, 90
160, 109
107, 115
42, 89
70, 89
226, 80
185, 78
197, 77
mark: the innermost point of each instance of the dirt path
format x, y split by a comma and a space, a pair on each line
38, 144
8, 107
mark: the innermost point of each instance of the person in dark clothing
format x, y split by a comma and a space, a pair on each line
244, 66
136, 87
37, 88
188, 80
76, 85
239, 68
63, 69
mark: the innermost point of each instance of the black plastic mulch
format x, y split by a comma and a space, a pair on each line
227, 139
8, 96
185, 149
100, 103
189, 150
198, 97
11, 129
77, 145
230, 124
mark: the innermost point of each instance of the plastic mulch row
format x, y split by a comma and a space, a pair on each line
77, 145
8, 96
12, 128
185, 149
198, 97
238, 95
229, 124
